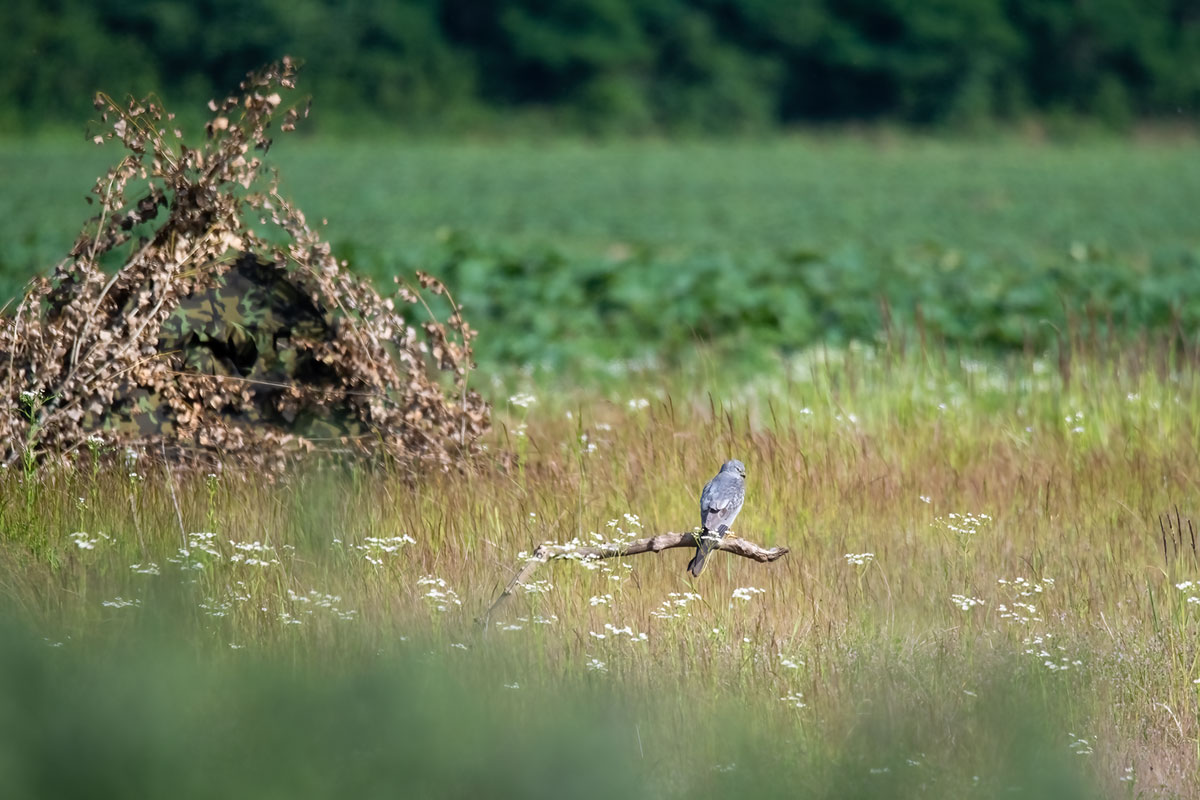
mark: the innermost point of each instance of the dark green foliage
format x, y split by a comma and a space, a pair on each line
618, 65
537, 307
562, 252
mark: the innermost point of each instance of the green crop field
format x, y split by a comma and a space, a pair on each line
568, 254
964, 379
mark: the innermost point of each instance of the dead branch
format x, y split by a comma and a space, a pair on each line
651, 544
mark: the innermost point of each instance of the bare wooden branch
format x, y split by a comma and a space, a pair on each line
651, 544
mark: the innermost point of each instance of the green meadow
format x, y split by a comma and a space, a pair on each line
963, 378
570, 254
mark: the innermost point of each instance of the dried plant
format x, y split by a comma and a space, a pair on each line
228, 328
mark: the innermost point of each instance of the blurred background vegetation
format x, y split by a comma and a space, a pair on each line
605, 180
628, 66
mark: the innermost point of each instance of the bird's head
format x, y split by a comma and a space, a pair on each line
734, 466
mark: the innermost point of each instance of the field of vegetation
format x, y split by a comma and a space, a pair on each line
977, 601
570, 254
992, 588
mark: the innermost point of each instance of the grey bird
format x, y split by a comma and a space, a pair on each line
720, 503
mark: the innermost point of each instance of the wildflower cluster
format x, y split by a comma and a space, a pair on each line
375, 549
522, 400
251, 554
626, 528
747, 592
1188, 587
859, 559
673, 607
1080, 746
314, 600
615, 632
521, 622
794, 699
1019, 609
85, 541
439, 594
254, 554
788, 663
964, 602
1040, 647
204, 542
216, 608
964, 527
238, 592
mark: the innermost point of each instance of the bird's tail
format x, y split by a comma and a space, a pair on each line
707, 545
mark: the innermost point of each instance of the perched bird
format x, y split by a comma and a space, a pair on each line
720, 503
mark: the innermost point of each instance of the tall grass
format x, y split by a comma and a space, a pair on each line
1017, 624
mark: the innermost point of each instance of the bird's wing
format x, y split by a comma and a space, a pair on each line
718, 519
717, 508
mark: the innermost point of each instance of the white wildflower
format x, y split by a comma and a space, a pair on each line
254, 554
83, 541
964, 602
795, 699
439, 594
375, 549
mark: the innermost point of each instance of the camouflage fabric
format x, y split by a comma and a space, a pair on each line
246, 326
254, 326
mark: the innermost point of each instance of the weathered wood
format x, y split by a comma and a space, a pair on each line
651, 544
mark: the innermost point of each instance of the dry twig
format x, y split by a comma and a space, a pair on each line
651, 544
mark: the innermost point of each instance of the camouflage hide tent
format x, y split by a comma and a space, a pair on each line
201, 335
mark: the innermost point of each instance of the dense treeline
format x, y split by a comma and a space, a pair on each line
625, 65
